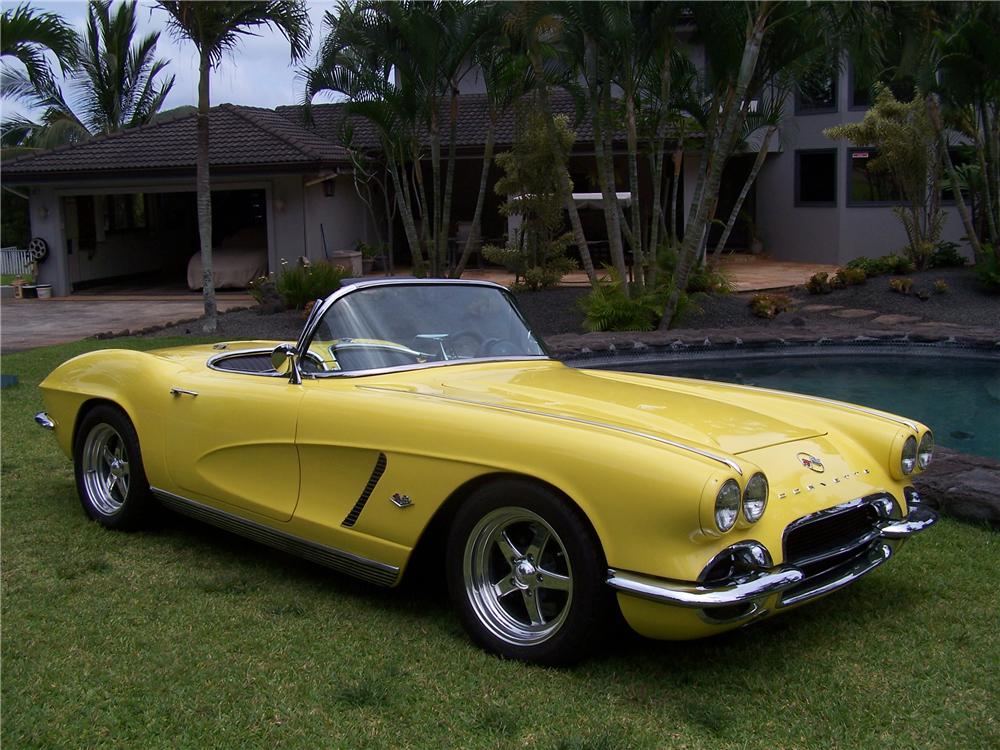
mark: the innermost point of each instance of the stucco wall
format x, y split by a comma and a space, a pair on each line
834, 234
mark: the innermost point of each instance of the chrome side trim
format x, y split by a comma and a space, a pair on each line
44, 420
682, 594
345, 562
602, 425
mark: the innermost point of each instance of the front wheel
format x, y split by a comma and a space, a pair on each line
526, 574
110, 478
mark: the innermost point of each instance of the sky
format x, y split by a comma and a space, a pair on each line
257, 73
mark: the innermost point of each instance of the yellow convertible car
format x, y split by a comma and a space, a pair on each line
417, 410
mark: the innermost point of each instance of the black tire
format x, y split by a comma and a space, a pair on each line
526, 574
110, 478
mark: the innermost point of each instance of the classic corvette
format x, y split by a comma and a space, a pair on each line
417, 409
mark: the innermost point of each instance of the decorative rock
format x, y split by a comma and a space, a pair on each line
820, 308
891, 320
962, 486
853, 313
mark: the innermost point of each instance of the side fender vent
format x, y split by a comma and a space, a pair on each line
377, 472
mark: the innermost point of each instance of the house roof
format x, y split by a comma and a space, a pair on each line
242, 139
473, 121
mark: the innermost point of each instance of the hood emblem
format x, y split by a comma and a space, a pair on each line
811, 462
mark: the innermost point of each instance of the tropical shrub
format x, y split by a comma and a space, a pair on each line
946, 255
941, 287
304, 283
769, 305
819, 283
850, 276
902, 286
609, 308
988, 269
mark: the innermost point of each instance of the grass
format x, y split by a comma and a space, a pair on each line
187, 637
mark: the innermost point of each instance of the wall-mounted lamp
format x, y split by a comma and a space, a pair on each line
279, 205
329, 188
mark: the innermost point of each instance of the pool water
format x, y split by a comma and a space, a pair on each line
958, 398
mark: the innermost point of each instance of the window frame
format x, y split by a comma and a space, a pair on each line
803, 108
848, 200
798, 178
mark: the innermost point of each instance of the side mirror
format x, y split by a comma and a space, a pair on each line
284, 361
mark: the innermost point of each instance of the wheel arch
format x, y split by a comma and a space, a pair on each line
429, 553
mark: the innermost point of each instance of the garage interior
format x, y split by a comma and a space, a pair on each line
128, 243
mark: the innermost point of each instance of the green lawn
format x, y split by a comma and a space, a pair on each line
186, 637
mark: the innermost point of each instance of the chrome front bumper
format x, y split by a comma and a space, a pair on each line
755, 588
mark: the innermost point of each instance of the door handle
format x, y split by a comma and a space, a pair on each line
177, 392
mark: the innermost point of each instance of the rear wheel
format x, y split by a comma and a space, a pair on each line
110, 478
525, 573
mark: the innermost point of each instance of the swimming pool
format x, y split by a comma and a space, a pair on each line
957, 397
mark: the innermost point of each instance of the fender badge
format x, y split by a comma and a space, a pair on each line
401, 501
811, 462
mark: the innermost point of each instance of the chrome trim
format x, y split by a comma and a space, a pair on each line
864, 563
883, 502
684, 594
44, 420
421, 366
177, 392
755, 587
372, 571
317, 312
602, 425
861, 541
757, 551
919, 518
240, 353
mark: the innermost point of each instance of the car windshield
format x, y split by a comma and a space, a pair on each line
402, 325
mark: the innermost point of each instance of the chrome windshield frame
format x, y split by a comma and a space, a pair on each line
318, 311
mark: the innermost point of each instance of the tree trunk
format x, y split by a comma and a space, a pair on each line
606, 175
477, 219
204, 189
401, 187
435, 222
448, 185
632, 141
751, 178
675, 183
733, 114
934, 111
986, 161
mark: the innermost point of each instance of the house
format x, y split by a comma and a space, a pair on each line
122, 207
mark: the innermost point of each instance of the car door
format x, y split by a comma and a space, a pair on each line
229, 438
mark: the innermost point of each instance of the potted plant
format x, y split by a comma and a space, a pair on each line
369, 254
756, 242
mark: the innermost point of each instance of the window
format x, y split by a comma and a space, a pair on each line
867, 186
862, 96
125, 212
817, 91
816, 177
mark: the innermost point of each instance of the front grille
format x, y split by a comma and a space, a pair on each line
830, 544
828, 534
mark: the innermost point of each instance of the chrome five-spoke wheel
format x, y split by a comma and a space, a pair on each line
518, 576
526, 572
105, 469
110, 478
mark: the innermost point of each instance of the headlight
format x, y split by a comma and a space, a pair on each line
909, 459
727, 505
926, 450
755, 498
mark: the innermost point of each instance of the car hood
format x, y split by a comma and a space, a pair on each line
672, 408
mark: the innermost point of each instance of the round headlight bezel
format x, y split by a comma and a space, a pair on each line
908, 456
754, 487
730, 494
925, 451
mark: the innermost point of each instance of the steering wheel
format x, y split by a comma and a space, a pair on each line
464, 345
498, 348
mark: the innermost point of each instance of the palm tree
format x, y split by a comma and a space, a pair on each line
115, 84
26, 35
214, 29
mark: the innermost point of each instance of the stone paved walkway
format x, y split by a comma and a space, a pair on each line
29, 323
